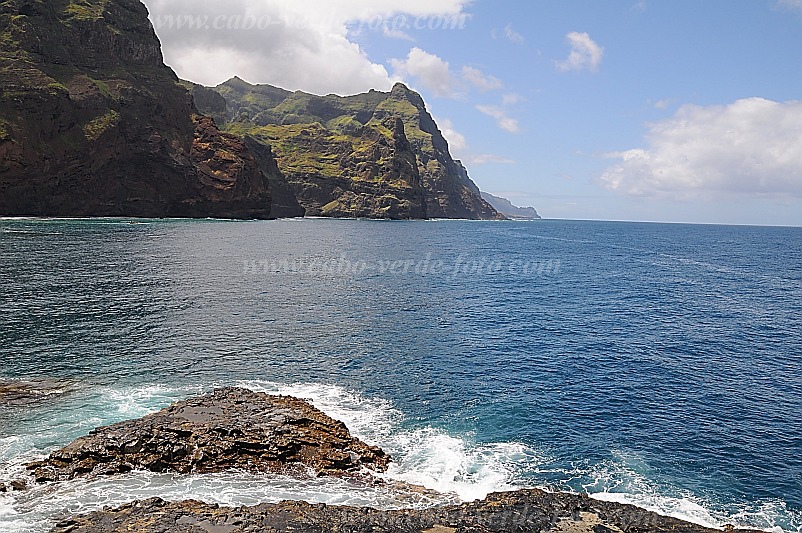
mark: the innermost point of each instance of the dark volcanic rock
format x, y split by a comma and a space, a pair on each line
284, 203
92, 123
10, 486
234, 186
229, 429
522, 511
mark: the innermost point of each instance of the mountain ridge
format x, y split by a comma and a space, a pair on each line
356, 160
506, 207
93, 123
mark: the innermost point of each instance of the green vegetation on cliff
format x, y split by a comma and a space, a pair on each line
344, 168
99, 125
85, 9
364, 146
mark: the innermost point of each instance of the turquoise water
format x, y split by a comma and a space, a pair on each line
654, 364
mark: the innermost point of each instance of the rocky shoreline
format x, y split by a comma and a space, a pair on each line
234, 429
524, 511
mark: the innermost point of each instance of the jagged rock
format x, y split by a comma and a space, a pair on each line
234, 186
92, 123
210, 101
372, 155
235, 428
521, 511
230, 429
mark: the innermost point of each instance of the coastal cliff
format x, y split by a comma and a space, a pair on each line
505, 207
92, 123
372, 155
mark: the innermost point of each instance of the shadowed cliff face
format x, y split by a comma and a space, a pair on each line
92, 123
374, 155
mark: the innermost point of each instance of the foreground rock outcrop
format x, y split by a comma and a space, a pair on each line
92, 123
231, 429
521, 511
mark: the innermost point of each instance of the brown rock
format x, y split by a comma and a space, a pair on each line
229, 429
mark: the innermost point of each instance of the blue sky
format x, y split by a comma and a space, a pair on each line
670, 110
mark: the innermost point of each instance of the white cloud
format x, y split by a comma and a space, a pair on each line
430, 70
585, 53
503, 120
479, 80
663, 104
752, 147
512, 35
296, 44
483, 159
458, 146
397, 34
511, 99
456, 141
639, 7
794, 5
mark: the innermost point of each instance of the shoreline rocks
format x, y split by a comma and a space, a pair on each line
230, 429
524, 511
21, 393
237, 429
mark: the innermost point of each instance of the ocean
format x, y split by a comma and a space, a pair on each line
653, 364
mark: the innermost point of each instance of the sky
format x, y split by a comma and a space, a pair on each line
649, 110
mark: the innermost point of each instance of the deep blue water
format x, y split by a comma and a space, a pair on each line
650, 363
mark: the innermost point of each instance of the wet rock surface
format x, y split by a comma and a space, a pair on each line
524, 511
11, 486
21, 393
230, 429
237, 429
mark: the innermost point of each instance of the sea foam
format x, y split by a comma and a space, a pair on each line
454, 465
426, 456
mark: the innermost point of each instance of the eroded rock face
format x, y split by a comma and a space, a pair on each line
522, 511
92, 123
233, 184
230, 429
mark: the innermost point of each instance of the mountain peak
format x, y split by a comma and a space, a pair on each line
400, 88
402, 92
